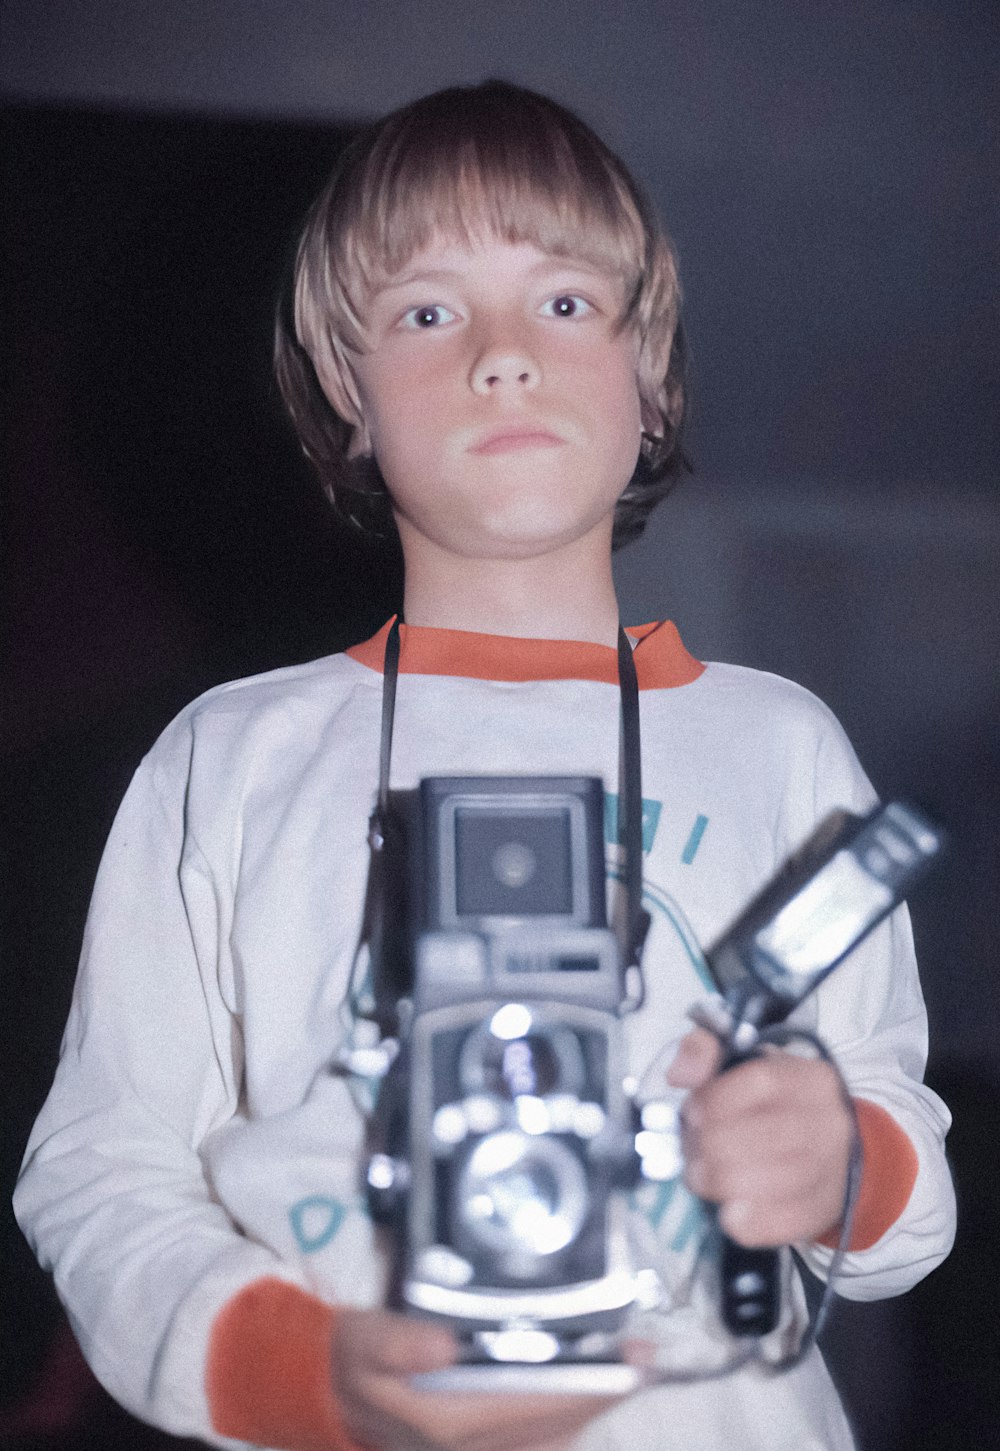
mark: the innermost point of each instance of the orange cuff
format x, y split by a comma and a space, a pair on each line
269, 1373
887, 1177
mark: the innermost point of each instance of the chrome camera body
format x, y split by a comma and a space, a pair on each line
504, 1131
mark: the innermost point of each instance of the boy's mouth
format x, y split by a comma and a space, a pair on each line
514, 437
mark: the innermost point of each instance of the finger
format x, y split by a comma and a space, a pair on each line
790, 1221
697, 1059
390, 1344
474, 1421
791, 1197
638, 1353
786, 1148
749, 1089
775, 1085
770, 1159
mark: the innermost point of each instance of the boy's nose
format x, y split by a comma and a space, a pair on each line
504, 367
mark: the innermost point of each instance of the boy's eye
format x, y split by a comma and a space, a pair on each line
427, 317
567, 304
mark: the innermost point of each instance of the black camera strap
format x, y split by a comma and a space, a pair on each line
630, 811
636, 925
390, 674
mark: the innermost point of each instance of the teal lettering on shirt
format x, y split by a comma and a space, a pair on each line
687, 1222
315, 1220
694, 840
650, 821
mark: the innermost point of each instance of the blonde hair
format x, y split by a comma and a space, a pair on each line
492, 160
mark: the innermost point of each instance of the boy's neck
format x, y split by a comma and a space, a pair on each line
563, 594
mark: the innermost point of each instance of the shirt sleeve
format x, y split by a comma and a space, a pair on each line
268, 1371
113, 1196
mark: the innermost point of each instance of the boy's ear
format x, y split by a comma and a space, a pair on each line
339, 385
650, 418
661, 396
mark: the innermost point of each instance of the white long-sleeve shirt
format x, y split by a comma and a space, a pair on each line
194, 1146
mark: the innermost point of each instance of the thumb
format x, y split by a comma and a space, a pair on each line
697, 1060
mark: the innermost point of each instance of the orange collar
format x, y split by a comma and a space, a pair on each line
661, 660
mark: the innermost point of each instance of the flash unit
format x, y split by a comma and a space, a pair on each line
843, 881
847, 877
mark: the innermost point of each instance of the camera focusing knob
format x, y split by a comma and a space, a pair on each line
387, 1182
370, 1062
657, 1140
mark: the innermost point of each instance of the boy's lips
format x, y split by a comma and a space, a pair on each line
510, 438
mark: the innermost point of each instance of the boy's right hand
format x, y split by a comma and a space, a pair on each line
375, 1354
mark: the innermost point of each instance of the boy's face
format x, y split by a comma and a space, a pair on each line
499, 395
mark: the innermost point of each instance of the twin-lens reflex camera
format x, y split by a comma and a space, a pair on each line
506, 1137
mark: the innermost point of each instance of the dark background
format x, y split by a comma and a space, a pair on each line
830, 176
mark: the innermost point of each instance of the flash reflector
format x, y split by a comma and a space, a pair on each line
830, 913
847, 877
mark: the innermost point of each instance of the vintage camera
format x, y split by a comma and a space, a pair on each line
504, 1129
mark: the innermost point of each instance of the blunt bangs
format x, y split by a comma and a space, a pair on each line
509, 182
492, 161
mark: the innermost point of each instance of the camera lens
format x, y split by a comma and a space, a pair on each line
544, 1059
520, 1197
514, 864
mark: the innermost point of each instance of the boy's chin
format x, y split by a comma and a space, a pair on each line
538, 527
519, 530
523, 542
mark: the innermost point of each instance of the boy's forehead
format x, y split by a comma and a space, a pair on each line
450, 254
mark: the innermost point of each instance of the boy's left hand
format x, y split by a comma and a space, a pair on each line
768, 1141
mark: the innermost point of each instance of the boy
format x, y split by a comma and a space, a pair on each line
485, 350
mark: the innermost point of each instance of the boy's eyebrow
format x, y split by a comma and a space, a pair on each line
419, 274
549, 263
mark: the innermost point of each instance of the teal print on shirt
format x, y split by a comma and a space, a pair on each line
650, 821
694, 840
315, 1220
686, 1220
